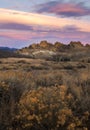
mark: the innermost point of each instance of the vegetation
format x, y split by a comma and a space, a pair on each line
46, 94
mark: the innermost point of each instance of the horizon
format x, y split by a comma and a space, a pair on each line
76, 42
26, 22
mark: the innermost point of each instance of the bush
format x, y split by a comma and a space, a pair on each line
8, 106
51, 109
59, 58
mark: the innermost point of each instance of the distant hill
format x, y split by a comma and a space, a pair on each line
8, 52
8, 49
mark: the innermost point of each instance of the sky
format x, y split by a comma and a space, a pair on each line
23, 22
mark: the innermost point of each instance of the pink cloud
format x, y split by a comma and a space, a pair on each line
15, 35
68, 9
24, 28
24, 21
61, 8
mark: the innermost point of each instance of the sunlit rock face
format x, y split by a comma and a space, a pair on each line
44, 49
88, 45
75, 44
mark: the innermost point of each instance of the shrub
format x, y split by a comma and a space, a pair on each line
7, 105
50, 109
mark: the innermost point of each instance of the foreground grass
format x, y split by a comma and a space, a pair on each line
34, 96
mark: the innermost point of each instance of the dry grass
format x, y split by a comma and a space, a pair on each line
44, 95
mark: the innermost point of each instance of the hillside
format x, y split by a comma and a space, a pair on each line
7, 49
50, 51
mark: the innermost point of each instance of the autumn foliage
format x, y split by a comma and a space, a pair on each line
51, 109
44, 108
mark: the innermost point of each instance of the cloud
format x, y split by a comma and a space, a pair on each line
65, 32
25, 21
15, 26
20, 39
15, 35
36, 28
16, 38
64, 9
71, 29
25, 28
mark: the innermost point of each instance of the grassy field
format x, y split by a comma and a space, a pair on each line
42, 92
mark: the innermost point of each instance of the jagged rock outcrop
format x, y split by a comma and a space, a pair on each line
46, 49
34, 46
76, 45
57, 46
41, 45
45, 45
87, 45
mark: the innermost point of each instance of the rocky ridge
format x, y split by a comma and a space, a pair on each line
46, 49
